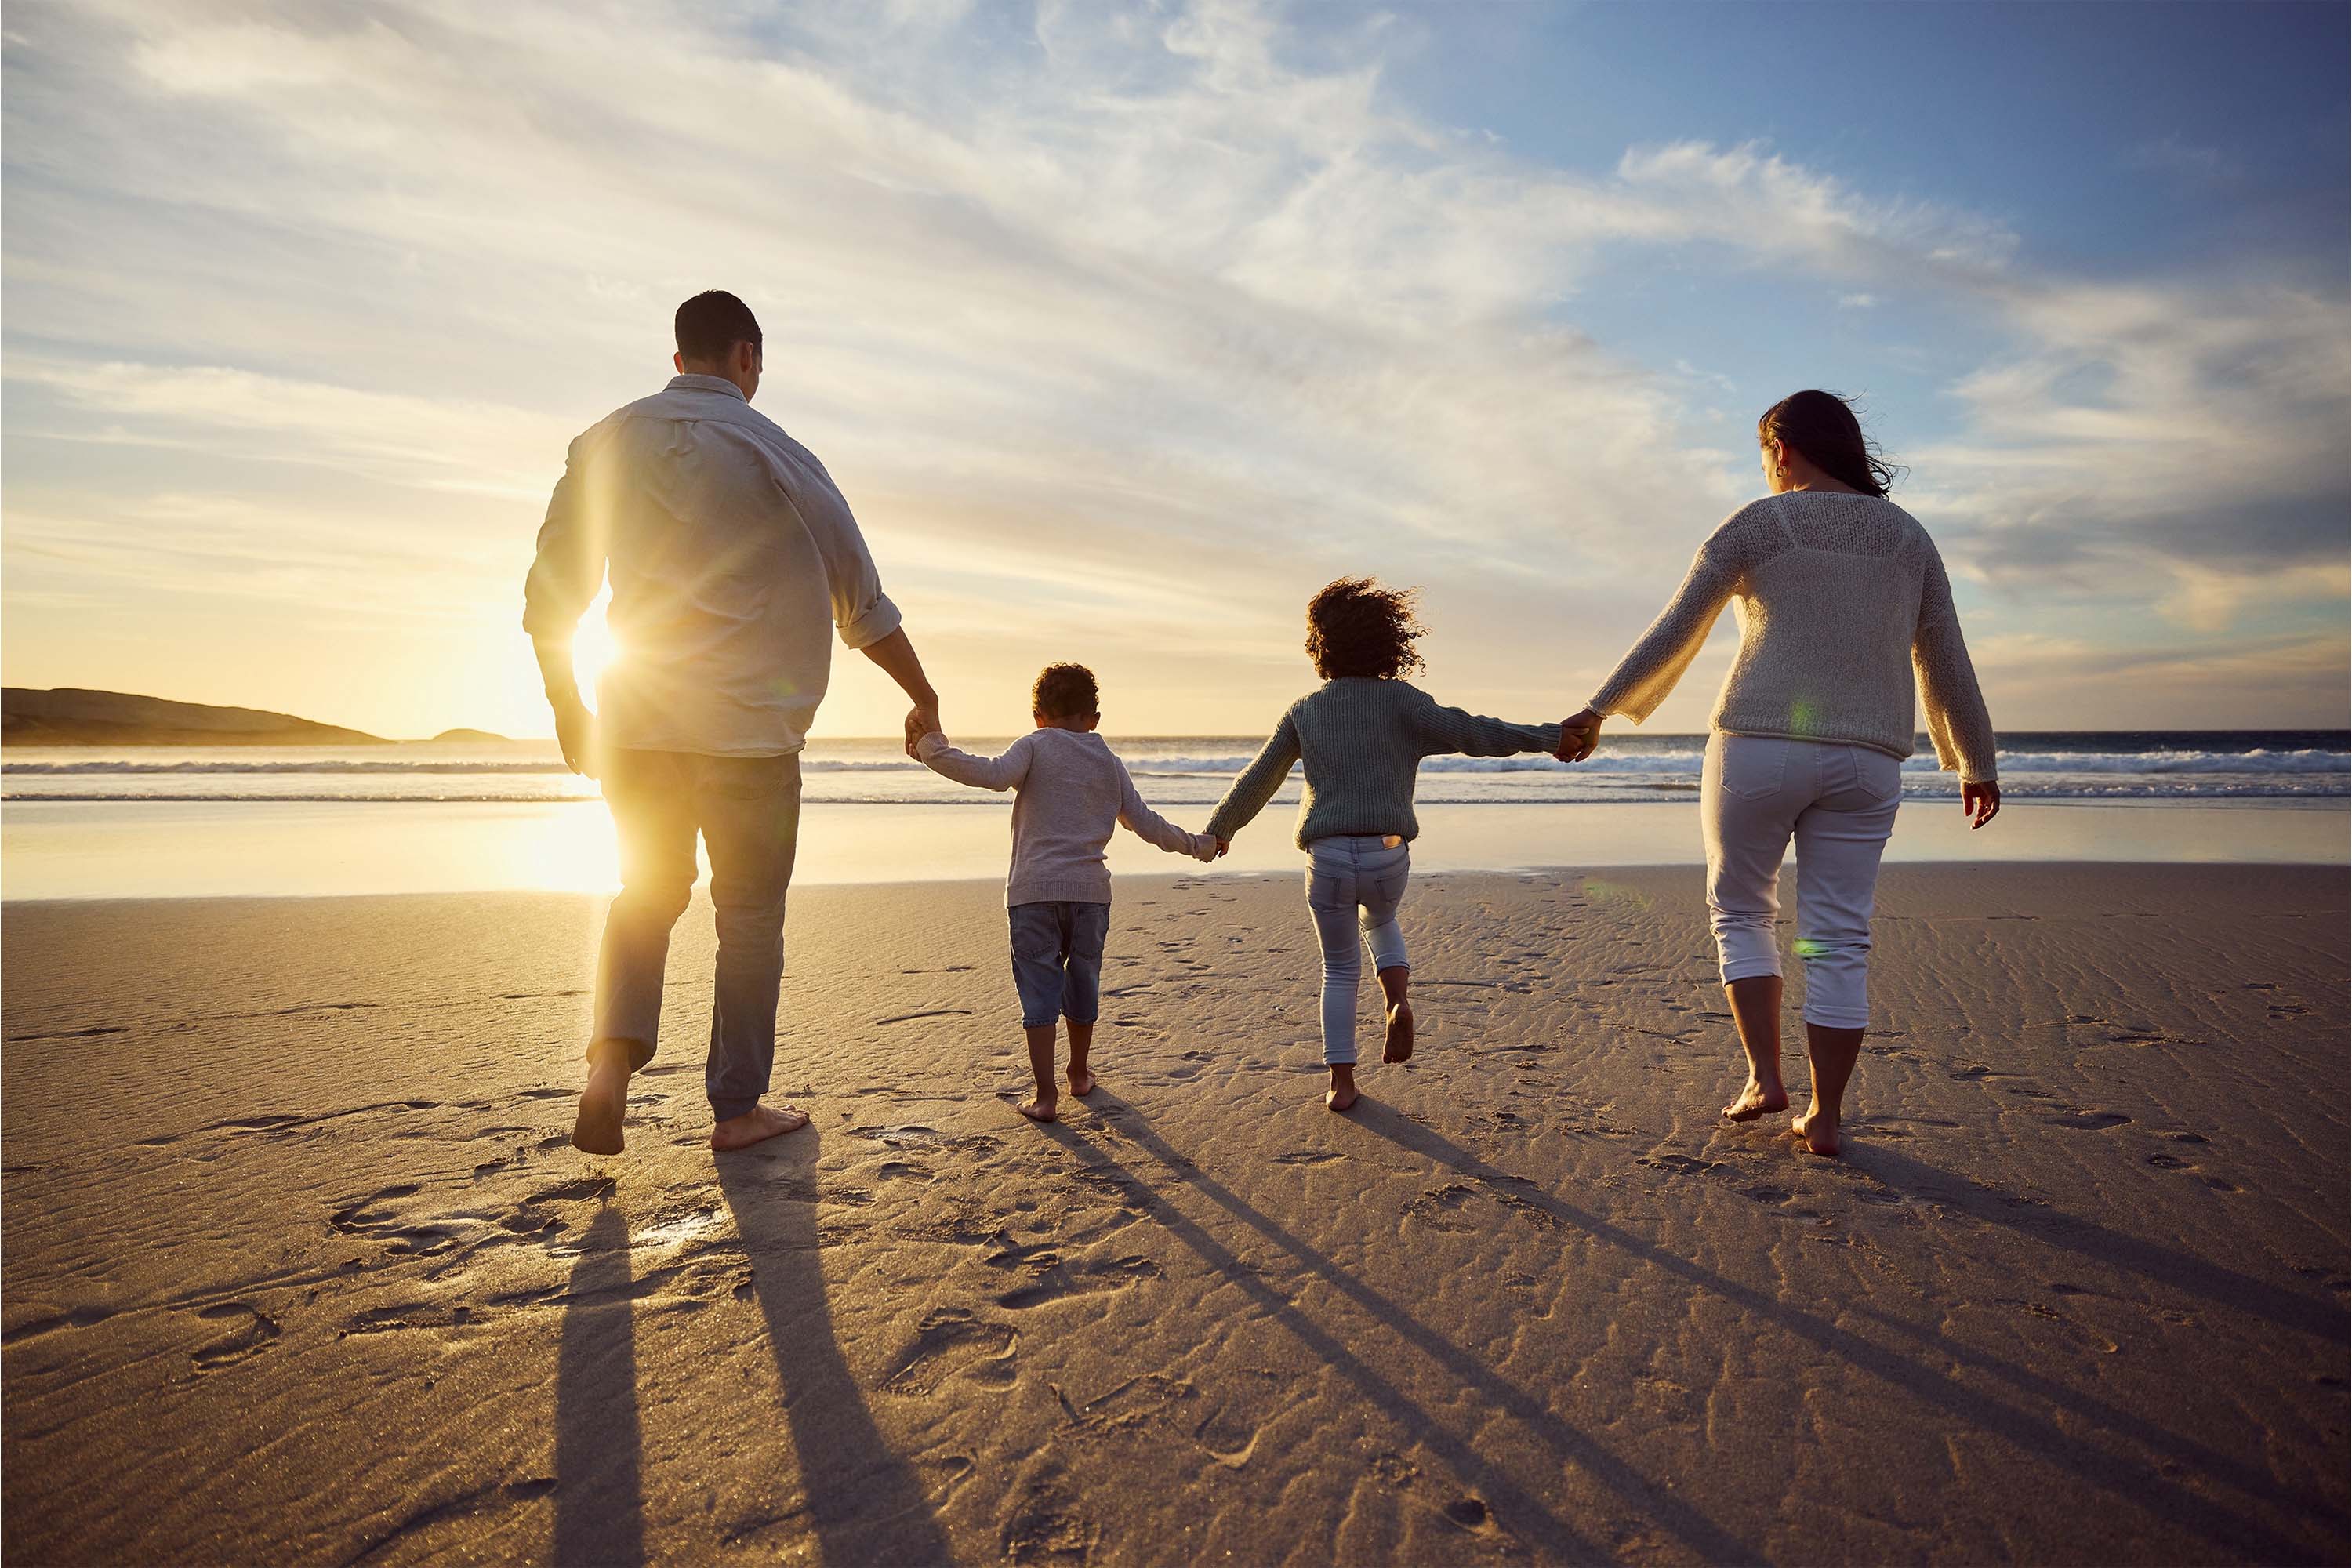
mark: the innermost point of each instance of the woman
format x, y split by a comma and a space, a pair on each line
1362, 734
1839, 596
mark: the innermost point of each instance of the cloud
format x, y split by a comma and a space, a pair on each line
2171, 156
1137, 321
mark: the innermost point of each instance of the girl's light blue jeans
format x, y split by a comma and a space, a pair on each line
1354, 883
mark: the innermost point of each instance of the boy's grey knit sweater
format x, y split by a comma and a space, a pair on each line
1363, 740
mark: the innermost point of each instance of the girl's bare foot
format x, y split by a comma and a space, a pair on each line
1081, 1083
1044, 1107
1400, 1043
1756, 1100
1818, 1131
1341, 1095
757, 1125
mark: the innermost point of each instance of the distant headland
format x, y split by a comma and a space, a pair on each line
71, 716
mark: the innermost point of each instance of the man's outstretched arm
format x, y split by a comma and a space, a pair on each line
896, 655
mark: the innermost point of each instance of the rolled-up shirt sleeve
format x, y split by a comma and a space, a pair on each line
569, 567
862, 612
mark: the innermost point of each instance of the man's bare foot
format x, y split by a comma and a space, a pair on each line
603, 1106
757, 1125
1082, 1082
1400, 1044
1756, 1100
1044, 1107
1341, 1095
1818, 1132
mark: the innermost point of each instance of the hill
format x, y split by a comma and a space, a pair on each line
70, 716
469, 737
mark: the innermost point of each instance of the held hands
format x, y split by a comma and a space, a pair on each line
1979, 803
1579, 734
919, 722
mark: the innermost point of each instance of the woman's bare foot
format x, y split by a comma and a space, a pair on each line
1818, 1131
1044, 1107
757, 1125
603, 1106
1756, 1100
1400, 1043
1341, 1095
1082, 1082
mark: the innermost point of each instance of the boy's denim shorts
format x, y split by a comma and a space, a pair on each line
1057, 952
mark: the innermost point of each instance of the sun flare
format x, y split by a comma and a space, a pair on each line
595, 649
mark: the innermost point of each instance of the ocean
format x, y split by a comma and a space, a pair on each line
1189, 770
426, 816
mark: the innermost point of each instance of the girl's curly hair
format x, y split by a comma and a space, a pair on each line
1355, 627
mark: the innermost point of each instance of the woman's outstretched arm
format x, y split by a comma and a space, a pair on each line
1652, 664
1247, 794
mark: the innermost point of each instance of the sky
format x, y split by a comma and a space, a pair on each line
1125, 328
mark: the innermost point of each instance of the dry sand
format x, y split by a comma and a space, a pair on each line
299, 1267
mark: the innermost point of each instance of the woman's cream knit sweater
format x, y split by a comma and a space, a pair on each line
1840, 597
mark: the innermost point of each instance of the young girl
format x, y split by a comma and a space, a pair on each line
1362, 734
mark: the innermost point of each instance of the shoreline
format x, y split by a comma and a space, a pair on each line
1141, 882
161, 849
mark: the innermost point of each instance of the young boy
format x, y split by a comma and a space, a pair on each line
1070, 790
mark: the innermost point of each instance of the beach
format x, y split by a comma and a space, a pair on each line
302, 1268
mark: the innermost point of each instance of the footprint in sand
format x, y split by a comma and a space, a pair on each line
1678, 1164
381, 1217
1308, 1157
951, 1342
1065, 1280
252, 1332
899, 1171
1470, 1513
1045, 1530
2090, 1118
1440, 1208
572, 1191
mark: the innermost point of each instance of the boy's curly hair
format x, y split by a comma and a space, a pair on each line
1065, 691
1355, 627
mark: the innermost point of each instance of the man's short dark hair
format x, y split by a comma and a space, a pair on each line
710, 324
1065, 691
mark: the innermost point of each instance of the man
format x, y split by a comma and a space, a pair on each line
730, 551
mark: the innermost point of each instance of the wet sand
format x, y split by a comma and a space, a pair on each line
299, 1268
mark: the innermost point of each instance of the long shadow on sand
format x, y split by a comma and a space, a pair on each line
866, 1504
1514, 1507
598, 1501
2137, 1484
2171, 1269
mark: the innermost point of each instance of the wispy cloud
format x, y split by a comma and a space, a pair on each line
1138, 322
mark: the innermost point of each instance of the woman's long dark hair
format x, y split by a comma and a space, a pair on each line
1821, 425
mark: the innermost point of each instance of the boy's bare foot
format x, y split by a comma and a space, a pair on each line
757, 1125
1817, 1131
1044, 1107
1400, 1043
1756, 1100
603, 1106
1341, 1095
1082, 1082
